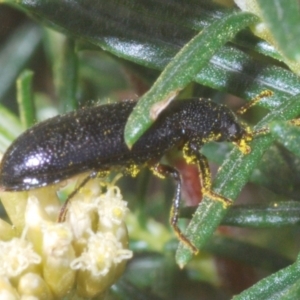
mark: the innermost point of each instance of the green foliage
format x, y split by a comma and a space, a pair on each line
195, 46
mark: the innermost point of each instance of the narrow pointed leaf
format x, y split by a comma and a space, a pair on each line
113, 27
181, 71
275, 214
20, 48
283, 20
288, 135
274, 286
25, 99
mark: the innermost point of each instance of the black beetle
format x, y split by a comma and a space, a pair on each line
92, 139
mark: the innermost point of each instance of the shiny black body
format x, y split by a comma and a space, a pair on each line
92, 139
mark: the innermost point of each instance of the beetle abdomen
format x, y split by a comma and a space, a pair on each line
64, 146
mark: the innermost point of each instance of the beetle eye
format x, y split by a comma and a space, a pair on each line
232, 130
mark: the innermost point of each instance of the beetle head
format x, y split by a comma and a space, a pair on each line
233, 131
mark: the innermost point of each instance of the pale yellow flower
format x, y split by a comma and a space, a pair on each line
80, 257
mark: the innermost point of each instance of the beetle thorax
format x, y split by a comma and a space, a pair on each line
206, 121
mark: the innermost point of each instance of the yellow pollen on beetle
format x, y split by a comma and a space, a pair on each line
190, 159
156, 173
133, 170
243, 146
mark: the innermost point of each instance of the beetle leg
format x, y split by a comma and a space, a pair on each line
63, 210
193, 155
162, 171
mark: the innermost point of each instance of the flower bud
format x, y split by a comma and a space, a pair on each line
57, 256
32, 284
7, 291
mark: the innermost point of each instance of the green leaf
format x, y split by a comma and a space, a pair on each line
229, 181
293, 292
264, 215
128, 31
229, 248
19, 49
270, 215
274, 286
25, 99
276, 160
125, 290
283, 20
66, 76
10, 128
280, 161
248, 41
181, 71
233, 71
144, 30
287, 134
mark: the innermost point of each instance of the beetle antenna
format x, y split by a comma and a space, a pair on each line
263, 94
261, 131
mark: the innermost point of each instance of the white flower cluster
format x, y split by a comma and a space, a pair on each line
81, 257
